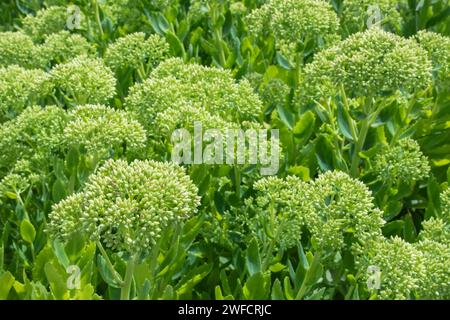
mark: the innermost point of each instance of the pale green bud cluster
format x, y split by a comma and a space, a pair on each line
401, 266
403, 162
18, 48
20, 88
436, 229
21, 177
294, 22
101, 129
341, 205
120, 11
436, 281
238, 8
445, 204
280, 209
420, 270
183, 115
12, 185
368, 63
84, 80
127, 206
438, 48
135, 51
331, 207
357, 14
198, 10
435, 246
64, 46
35, 131
45, 22
274, 93
174, 83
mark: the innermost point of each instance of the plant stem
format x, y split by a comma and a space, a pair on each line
97, 18
269, 249
237, 178
110, 266
311, 271
217, 35
126, 288
359, 145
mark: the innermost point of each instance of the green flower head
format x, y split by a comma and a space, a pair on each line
45, 22
127, 12
341, 206
137, 52
280, 209
84, 80
294, 23
403, 162
438, 49
212, 89
20, 88
101, 130
401, 266
445, 204
436, 229
35, 132
368, 63
436, 281
18, 48
357, 15
63, 46
127, 206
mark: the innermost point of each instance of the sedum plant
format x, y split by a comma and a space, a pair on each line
297, 26
84, 80
435, 282
434, 243
127, 208
63, 46
46, 21
39, 133
438, 49
403, 162
280, 209
342, 206
212, 89
370, 63
330, 210
101, 130
137, 52
358, 15
20, 88
400, 263
358, 206
34, 133
17, 48
445, 204
436, 229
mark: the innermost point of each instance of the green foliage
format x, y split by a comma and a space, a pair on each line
91, 207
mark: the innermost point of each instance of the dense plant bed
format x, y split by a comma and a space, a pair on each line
221, 149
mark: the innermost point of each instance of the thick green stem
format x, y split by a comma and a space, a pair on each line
359, 145
310, 273
222, 59
269, 249
141, 72
237, 177
97, 18
109, 265
126, 288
